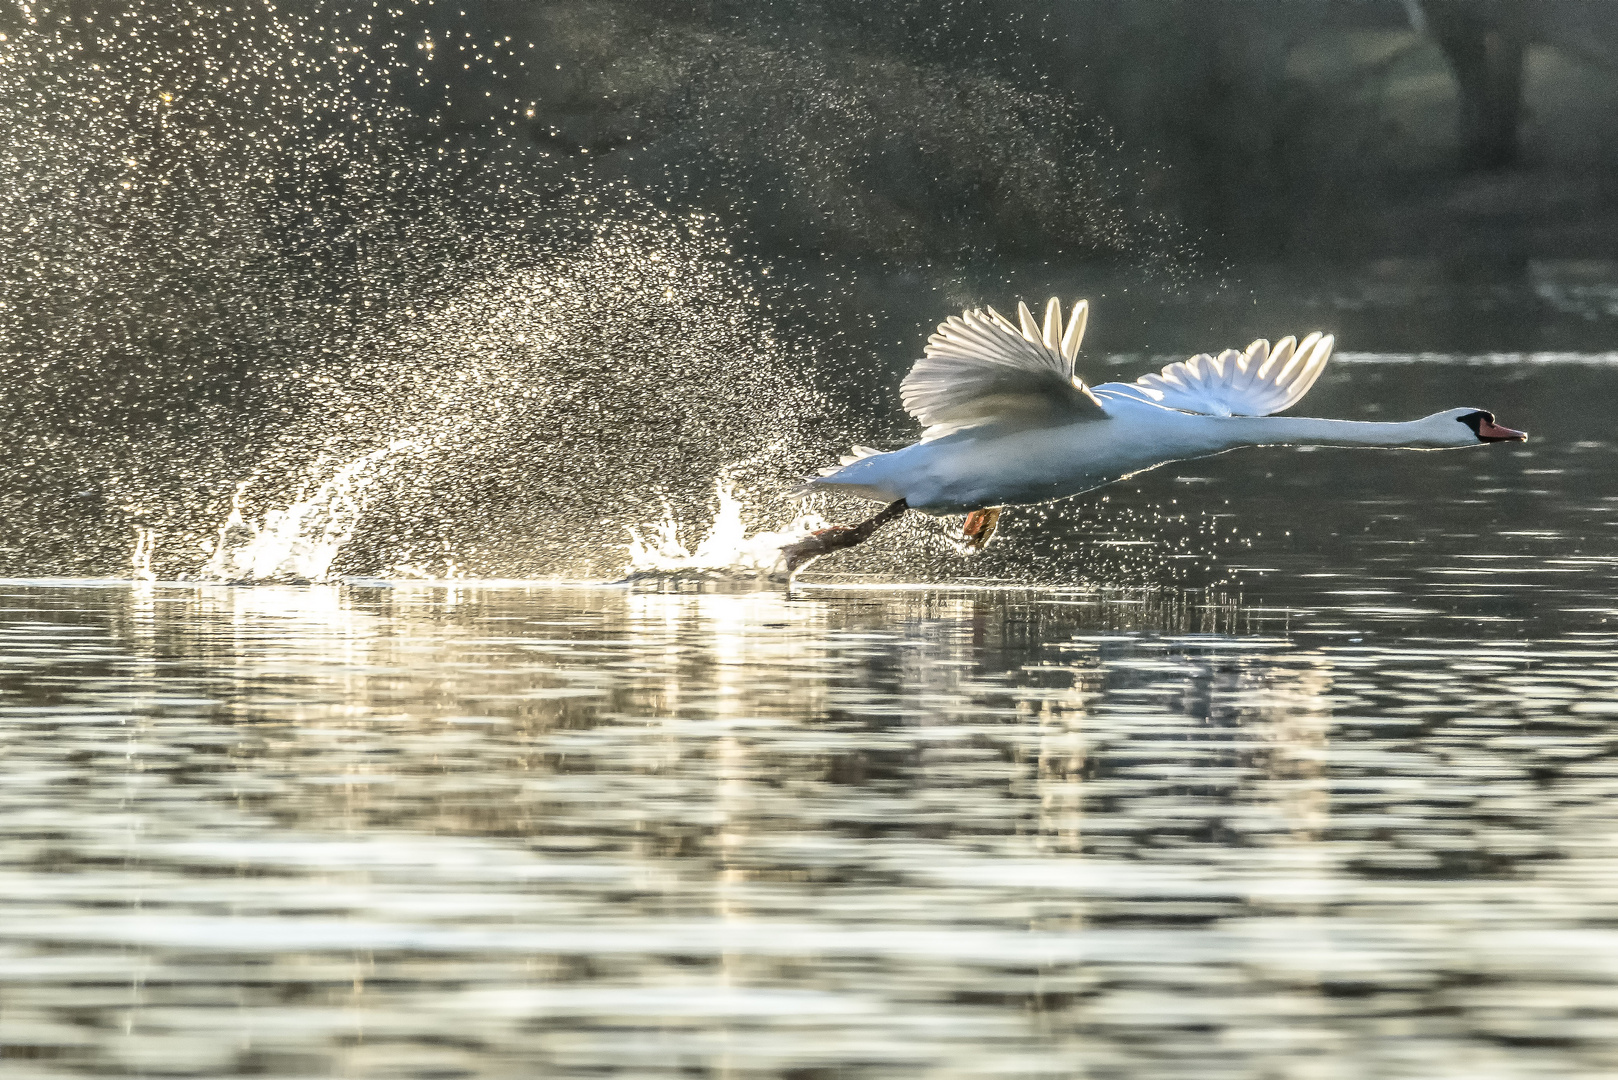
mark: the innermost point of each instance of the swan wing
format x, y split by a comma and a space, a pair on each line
1257, 382
980, 369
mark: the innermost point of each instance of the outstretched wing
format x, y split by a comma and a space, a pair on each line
980, 369
1257, 382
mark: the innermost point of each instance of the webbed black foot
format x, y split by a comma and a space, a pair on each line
837, 538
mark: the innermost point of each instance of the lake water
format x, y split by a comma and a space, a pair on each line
1284, 764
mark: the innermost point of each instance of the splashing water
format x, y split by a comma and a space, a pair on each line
243, 239
298, 543
726, 550
140, 559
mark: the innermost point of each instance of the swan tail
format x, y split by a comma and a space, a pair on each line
828, 482
820, 485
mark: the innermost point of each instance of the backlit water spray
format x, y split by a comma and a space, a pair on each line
239, 256
727, 549
300, 542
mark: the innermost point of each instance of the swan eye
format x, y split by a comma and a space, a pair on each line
1475, 420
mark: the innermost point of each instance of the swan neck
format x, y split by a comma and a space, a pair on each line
1309, 431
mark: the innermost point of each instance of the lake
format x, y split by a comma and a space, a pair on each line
1281, 764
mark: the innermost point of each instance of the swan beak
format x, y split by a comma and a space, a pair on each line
1489, 431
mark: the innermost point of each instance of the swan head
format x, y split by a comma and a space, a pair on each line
1481, 427
1463, 427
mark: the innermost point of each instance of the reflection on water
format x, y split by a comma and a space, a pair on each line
1351, 817
427, 831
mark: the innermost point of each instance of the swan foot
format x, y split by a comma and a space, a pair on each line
979, 528
837, 537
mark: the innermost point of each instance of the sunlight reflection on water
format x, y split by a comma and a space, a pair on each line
431, 830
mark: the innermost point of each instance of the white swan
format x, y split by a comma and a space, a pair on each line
1009, 423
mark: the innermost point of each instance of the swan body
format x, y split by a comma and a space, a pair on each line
1009, 423
989, 466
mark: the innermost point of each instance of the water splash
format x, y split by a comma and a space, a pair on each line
300, 542
727, 549
140, 558
275, 244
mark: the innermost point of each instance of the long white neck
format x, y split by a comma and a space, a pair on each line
1429, 433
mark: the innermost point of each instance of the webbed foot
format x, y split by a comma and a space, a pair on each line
979, 528
823, 542
836, 538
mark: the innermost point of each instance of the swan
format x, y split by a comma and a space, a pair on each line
1008, 423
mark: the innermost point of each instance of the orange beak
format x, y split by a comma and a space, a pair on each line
1489, 431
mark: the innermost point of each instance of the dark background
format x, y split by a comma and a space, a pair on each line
1330, 130
1275, 144
1411, 174
1431, 157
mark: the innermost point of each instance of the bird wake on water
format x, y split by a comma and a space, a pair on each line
1007, 422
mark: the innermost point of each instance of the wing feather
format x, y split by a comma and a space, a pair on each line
1075, 330
980, 368
1030, 329
1257, 382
